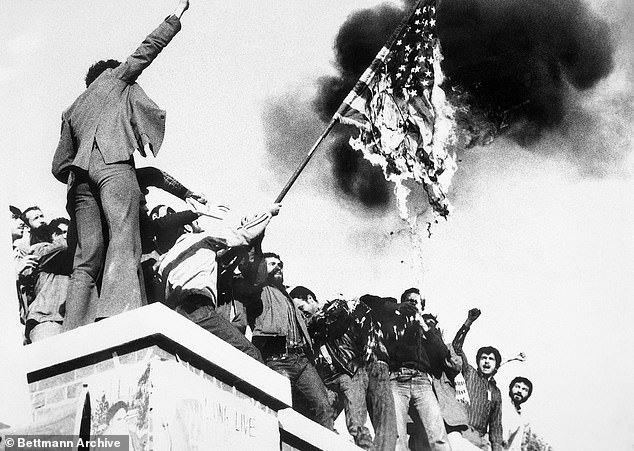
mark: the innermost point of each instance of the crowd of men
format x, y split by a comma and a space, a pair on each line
382, 358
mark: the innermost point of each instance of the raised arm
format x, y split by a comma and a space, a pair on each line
250, 228
521, 357
254, 227
150, 176
152, 45
458, 340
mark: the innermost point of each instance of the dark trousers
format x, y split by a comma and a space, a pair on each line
200, 310
381, 406
306, 385
103, 204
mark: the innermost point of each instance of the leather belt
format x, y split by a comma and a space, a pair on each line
292, 350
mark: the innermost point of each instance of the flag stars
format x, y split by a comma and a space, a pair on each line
409, 64
408, 73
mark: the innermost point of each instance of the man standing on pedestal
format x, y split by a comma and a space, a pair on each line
101, 130
485, 407
281, 335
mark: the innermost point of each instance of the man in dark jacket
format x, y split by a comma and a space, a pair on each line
281, 335
354, 364
344, 332
416, 353
100, 131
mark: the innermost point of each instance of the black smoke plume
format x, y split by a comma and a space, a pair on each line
514, 62
522, 58
357, 43
356, 177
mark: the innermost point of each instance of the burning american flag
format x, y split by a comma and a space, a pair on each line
405, 122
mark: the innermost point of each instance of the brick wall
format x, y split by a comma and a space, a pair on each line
56, 394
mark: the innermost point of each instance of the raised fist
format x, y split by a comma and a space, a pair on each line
473, 314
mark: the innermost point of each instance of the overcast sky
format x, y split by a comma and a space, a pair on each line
541, 247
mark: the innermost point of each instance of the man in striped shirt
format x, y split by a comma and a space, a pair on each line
485, 407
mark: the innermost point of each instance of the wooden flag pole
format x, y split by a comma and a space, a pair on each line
360, 83
301, 167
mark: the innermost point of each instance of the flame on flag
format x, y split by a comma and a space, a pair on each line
405, 122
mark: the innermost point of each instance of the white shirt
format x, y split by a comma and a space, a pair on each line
512, 426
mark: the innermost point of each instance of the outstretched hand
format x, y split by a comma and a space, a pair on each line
199, 207
198, 197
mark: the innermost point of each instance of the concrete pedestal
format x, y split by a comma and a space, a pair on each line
168, 384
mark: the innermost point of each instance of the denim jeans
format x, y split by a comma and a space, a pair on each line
199, 310
415, 389
380, 403
351, 397
104, 208
306, 385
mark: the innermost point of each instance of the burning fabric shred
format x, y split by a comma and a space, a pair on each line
406, 124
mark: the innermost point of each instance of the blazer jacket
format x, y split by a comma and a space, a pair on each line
115, 112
